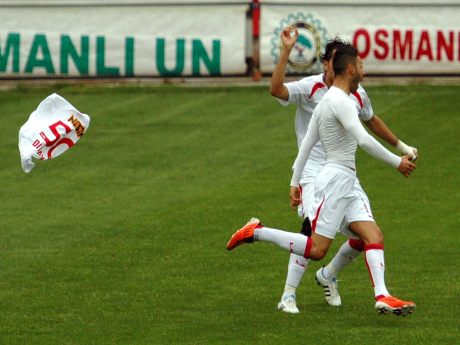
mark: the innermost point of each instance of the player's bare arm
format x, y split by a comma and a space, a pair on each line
379, 127
288, 41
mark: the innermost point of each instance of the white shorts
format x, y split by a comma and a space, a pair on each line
335, 200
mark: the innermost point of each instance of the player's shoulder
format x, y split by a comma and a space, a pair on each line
361, 91
337, 93
337, 96
360, 96
313, 79
314, 83
312, 88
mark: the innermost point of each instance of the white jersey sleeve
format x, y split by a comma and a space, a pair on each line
353, 126
297, 90
310, 139
363, 103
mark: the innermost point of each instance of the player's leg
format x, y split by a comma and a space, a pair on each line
324, 213
359, 210
296, 269
298, 264
346, 254
311, 247
304, 247
375, 262
326, 277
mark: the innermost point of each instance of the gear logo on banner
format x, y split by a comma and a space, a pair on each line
305, 55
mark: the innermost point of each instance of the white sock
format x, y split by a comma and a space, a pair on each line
345, 255
375, 262
295, 243
288, 291
296, 269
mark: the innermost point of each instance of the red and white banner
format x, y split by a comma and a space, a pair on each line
53, 128
402, 38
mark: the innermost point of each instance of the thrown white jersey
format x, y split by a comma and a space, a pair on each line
336, 124
306, 94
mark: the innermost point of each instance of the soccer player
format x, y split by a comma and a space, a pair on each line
335, 122
306, 93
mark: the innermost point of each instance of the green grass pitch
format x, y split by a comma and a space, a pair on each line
122, 239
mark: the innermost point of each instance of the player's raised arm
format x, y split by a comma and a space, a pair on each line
277, 87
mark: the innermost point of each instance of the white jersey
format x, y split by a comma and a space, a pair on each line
306, 94
335, 123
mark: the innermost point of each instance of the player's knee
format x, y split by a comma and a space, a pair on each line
379, 238
376, 237
317, 253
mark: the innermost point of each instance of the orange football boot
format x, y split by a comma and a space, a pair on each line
244, 235
390, 304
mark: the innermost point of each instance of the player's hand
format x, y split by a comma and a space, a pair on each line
406, 167
407, 150
287, 39
294, 195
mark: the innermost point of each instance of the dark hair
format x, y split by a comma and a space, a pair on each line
332, 45
343, 56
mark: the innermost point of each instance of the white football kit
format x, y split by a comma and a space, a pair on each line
336, 124
306, 94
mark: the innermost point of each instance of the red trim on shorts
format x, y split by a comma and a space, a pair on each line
371, 246
315, 88
358, 97
313, 223
356, 244
306, 253
367, 209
